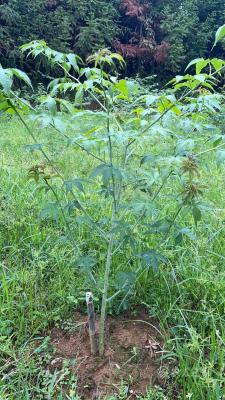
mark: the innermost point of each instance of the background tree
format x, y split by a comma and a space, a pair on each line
157, 36
189, 25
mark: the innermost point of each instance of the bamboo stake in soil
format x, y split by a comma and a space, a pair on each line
91, 322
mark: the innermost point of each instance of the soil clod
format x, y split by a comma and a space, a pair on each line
130, 357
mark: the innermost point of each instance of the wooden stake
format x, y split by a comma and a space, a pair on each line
91, 322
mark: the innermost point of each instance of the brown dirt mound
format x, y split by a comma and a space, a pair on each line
132, 348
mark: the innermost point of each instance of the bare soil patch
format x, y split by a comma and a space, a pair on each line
133, 347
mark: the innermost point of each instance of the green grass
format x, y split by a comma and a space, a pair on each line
41, 283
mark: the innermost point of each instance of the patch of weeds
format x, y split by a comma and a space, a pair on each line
33, 367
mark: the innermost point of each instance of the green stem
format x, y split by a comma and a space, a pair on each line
161, 186
172, 222
208, 151
110, 245
104, 297
113, 177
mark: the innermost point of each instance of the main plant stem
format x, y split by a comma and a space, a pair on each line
104, 296
110, 243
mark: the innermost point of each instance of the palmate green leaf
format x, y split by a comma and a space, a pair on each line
33, 147
66, 106
118, 57
193, 62
64, 87
66, 61
197, 215
148, 158
220, 157
99, 170
215, 140
89, 84
184, 232
34, 45
59, 124
184, 146
22, 76
78, 183
200, 64
5, 79
217, 63
58, 84
178, 79
200, 77
151, 259
220, 33
58, 56
125, 280
66, 65
193, 82
72, 58
187, 84
50, 211
208, 85
86, 263
168, 102
79, 94
4, 104
106, 172
161, 226
123, 89
35, 48
72, 205
150, 99
50, 103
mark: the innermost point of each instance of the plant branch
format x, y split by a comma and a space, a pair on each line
91, 94
209, 150
102, 233
182, 97
143, 213
63, 134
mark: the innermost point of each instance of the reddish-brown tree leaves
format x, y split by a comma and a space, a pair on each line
161, 52
142, 44
133, 9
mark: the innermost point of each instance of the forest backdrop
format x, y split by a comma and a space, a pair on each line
158, 36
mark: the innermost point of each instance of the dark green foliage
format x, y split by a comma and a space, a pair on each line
94, 24
77, 25
189, 27
84, 26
